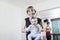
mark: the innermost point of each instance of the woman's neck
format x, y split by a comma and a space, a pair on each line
30, 18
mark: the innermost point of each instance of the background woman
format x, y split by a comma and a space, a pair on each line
48, 30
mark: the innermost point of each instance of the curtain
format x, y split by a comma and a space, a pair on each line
56, 28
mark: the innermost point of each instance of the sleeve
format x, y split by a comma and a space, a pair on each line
40, 28
28, 29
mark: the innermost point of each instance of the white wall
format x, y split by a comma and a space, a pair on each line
47, 5
52, 13
10, 22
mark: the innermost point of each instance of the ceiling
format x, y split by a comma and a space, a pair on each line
22, 3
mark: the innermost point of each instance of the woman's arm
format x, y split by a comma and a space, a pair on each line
28, 29
23, 27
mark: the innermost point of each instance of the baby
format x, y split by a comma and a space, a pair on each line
35, 30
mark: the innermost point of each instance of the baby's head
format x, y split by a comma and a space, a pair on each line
34, 21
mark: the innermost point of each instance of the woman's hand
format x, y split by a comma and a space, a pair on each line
23, 30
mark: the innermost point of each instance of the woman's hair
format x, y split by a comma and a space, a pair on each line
48, 22
30, 7
33, 18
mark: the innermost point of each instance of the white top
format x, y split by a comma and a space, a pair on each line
34, 28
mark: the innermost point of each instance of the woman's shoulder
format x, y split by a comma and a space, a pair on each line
38, 18
26, 18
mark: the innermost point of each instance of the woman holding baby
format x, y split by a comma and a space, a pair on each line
31, 12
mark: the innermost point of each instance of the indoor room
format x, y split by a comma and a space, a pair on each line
14, 12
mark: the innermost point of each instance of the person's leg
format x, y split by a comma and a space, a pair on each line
26, 37
38, 37
48, 37
30, 37
27, 33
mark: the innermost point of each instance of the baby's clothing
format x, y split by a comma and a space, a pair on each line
34, 28
35, 31
37, 36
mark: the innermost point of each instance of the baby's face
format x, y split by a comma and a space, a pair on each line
34, 21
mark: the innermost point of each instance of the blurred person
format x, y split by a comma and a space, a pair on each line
48, 31
31, 13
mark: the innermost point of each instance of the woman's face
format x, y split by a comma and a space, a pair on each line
47, 24
31, 12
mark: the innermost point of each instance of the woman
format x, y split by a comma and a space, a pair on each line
31, 13
48, 30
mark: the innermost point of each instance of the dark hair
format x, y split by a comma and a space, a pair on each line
30, 7
48, 22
